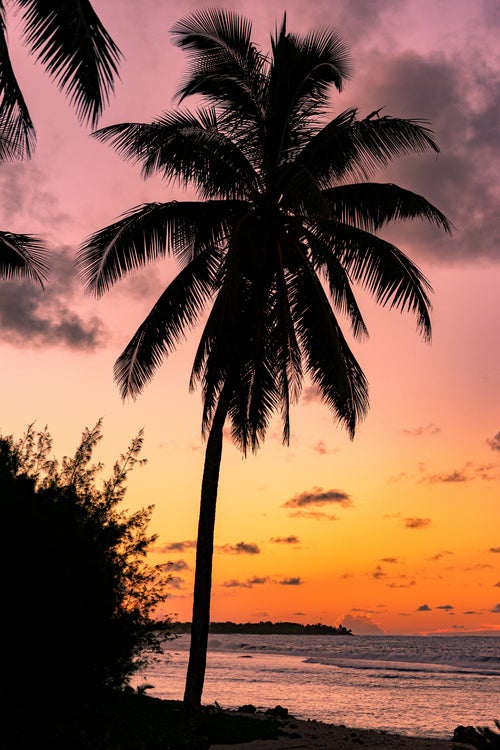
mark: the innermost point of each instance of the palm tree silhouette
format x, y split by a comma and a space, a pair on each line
77, 51
283, 226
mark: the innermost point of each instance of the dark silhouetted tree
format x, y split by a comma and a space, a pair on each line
79, 597
284, 226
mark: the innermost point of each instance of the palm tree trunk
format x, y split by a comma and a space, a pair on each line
203, 573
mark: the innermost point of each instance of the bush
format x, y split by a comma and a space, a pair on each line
79, 595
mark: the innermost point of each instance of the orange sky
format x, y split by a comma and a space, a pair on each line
397, 531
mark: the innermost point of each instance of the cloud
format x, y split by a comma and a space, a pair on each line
314, 515
439, 555
285, 539
479, 566
240, 548
497, 585
445, 606
488, 472
175, 546
258, 580
176, 582
430, 429
401, 585
311, 395
378, 572
494, 442
361, 625
452, 477
291, 581
390, 560
176, 565
233, 583
416, 523
299, 614
32, 316
319, 496
464, 109
495, 549
424, 608
496, 609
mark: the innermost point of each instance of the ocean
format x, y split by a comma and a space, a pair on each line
413, 685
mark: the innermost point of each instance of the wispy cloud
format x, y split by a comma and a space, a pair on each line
175, 546
439, 555
496, 550
285, 539
378, 572
494, 442
176, 565
313, 515
416, 523
390, 560
430, 429
240, 548
318, 497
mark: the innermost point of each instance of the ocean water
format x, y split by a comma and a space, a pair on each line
414, 685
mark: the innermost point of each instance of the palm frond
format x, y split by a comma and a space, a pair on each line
347, 147
188, 148
148, 232
23, 256
17, 134
70, 41
384, 270
328, 359
370, 205
225, 65
177, 310
325, 261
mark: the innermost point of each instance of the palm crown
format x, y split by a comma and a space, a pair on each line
284, 225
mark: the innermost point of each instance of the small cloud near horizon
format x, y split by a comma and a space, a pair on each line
285, 539
445, 606
240, 548
424, 608
314, 515
390, 560
319, 496
496, 609
297, 581
361, 625
416, 523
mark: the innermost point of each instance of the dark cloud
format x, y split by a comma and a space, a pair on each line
319, 496
299, 614
378, 572
176, 565
291, 581
320, 448
416, 523
176, 582
479, 566
494, 442
424, 608
285, 540
463, 107
32, 316
390, 560
314, 515
176, 546
446, 478
258, 580
233, 584
497, 585
495, 549
445, 606
470, 471
240, 548
496, 609
430, 429
361, 625
311, 394
439, 555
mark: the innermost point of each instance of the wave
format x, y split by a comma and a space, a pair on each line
402, 666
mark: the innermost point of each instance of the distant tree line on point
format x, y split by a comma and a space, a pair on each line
265, 627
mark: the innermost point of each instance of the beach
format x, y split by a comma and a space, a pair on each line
316, 735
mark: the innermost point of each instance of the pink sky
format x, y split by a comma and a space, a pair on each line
411, 540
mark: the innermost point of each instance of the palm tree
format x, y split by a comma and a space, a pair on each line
285, 223
76, 50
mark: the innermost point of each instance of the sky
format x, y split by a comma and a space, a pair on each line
397, 531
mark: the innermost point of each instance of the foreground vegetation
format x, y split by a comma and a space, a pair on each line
127, 721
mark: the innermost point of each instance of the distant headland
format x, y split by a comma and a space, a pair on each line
266, 628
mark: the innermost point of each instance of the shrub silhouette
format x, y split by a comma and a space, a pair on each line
79, 595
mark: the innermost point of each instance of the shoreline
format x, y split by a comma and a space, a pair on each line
299, 734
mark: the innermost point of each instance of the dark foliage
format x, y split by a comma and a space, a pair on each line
266, 627
79, 595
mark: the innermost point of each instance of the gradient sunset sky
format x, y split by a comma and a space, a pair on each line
397, 531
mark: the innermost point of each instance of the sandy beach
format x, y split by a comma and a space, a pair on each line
314, 735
